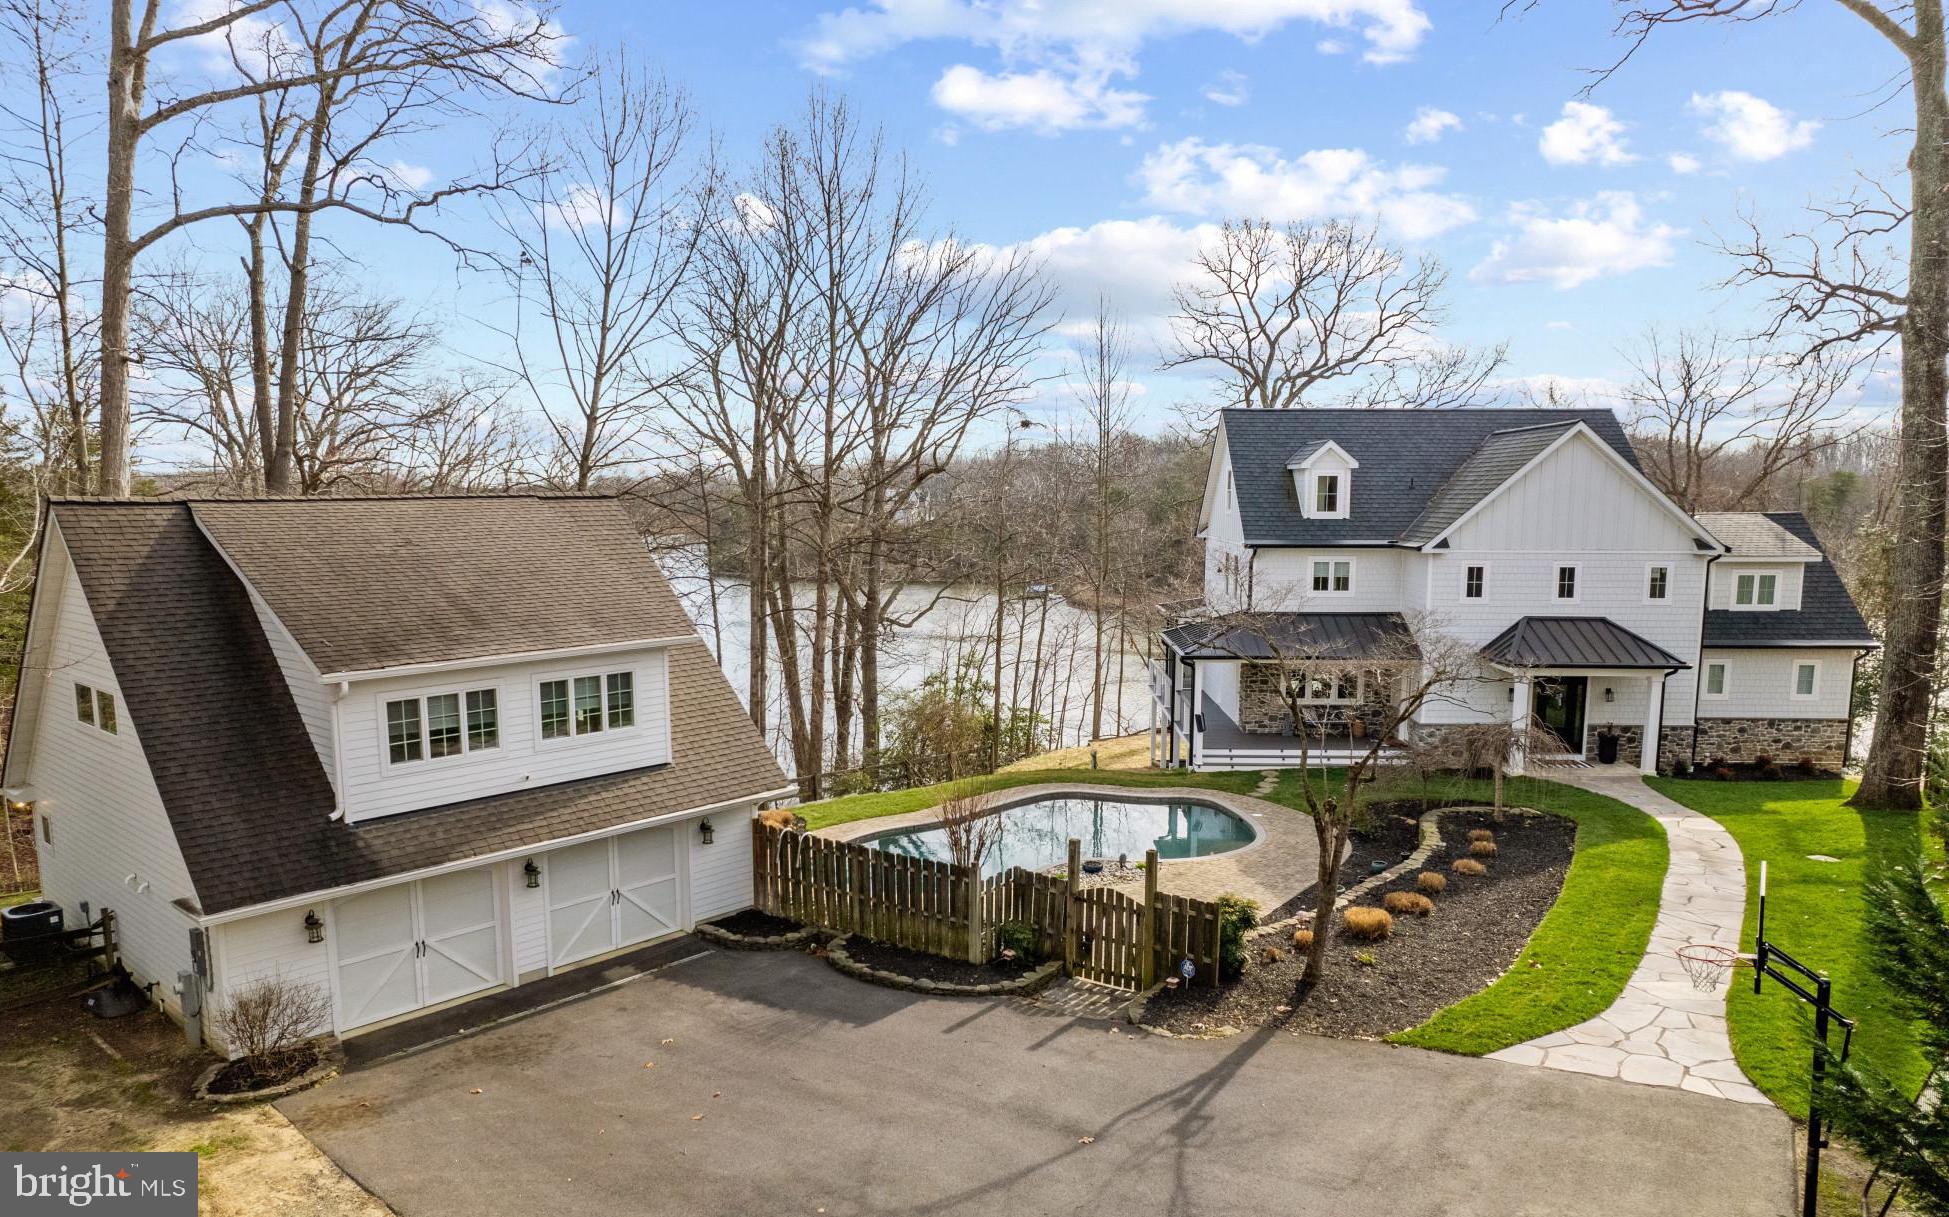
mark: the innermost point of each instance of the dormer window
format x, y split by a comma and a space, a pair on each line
1323, 480
1326, 494
1756, 591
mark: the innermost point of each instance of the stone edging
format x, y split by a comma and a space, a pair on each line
1028, 982
790, 941
332, 1061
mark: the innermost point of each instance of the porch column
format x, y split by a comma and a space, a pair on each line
1518, 725
1197, 710
1654, 713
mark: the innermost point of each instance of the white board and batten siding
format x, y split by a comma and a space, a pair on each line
1759, 682
372, 785
112, 844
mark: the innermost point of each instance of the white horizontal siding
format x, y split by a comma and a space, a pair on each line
1759, 683
720, 873
1282, 581
264, 948
113, 845
1725, 580
374, 787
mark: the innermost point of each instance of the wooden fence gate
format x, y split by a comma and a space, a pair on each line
1100, 934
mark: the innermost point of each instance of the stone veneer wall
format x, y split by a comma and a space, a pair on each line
1674, 744
1262, 710
1786, 740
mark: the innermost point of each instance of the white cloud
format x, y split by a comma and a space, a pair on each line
1229, 89
1585, 134
1133, 263
1683, 162
1196, 178
1331, 46
1751, 128
410, 176
1605, 235
1430, 125
1041, 100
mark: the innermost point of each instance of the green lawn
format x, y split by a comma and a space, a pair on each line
1814, 912
828, 812
1578, 959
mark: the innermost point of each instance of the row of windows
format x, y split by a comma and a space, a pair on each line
448, 724
1805, 682
1566, 583
96, 707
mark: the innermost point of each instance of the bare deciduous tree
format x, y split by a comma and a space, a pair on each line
269, 1021
969, 825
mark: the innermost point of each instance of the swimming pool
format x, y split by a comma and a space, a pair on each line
1036, 835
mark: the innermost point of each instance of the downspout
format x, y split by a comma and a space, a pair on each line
339, 693
1847, 734
1698, 681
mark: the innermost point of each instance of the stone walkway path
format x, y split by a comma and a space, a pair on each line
1661, 1031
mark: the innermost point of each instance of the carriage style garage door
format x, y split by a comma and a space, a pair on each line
613, 893
416, 944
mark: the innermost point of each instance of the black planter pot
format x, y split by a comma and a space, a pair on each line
1607, 747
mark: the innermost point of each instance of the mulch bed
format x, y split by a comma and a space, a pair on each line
1476, 932
243, 1075
1738, 771
752, 923
920, 966
1392, 832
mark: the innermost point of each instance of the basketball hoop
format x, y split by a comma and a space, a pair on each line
1707, 963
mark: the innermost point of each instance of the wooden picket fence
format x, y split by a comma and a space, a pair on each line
1100, 934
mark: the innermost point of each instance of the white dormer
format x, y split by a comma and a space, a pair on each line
1323, 480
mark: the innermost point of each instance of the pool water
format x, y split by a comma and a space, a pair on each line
1036, 835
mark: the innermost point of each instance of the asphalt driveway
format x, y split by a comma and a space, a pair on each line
780, 1086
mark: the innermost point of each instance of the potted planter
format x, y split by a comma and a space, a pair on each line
1607, 741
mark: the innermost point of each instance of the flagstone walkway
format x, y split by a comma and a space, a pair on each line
1661, 1031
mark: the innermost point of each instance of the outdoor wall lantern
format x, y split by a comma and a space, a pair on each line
1610, 694
704, 826
314, 928
533, 872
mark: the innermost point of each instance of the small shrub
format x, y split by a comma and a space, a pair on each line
1681, 769
781, 818
1370, 923
1771, 773
1762, 761
1433, 882
1236, 915
1468, 866
1724, 773
270, 1022
1481, 834
1302, 940
1366, 959
1019, 937
1408, 902
1482, 849
1271, 955
1807, 763
1717, 763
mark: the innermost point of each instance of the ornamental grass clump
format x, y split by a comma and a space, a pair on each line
1431, 882
1468, 866
1302, 940
1408, 902
1482, 849
1370, 923
1482, 834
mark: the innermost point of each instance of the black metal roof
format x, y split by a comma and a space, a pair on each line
1826, 614
1407, 458
1575, 642
1295, 635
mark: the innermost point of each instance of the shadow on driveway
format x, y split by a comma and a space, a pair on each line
763, 1084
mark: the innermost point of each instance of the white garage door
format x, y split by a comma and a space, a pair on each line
604, 895
416, 944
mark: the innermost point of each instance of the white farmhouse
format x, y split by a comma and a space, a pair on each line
1598, 607
408, 750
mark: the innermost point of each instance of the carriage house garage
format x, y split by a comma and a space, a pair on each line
406, 750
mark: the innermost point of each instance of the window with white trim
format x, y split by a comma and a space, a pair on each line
585, 705
1475, 582
1806, 679
1658, 583
1715, 680
1325, 688
1332, 576
105, 710
1755, 591
95, 707
621, 687
1326, 494
1566, 583
441, 725
84, 704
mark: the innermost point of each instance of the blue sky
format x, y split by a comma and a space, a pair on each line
1103, 133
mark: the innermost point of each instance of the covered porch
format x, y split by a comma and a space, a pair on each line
1574, 679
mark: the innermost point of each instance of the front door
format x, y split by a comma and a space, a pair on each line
1558, 703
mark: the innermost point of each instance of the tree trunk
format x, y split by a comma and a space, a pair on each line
118, 255
1892, 776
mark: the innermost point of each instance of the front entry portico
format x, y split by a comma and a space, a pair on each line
1571, 673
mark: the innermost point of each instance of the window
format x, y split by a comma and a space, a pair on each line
1326, 494
1566, 583
622, 699
1658, 583
1806, 679
1332, 575
554, 709
483, 720
443, 725
47, 830
403, 730
1475, 581
1231, 491
1755, 591
1715, 680
588, 704
96, 707
84, 704
1327, 687
105, 711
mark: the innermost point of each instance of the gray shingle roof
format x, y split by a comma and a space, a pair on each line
248, 801
1826, 613
1575, 642
1295, 635
377, 583
1406, 457
1754, 534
